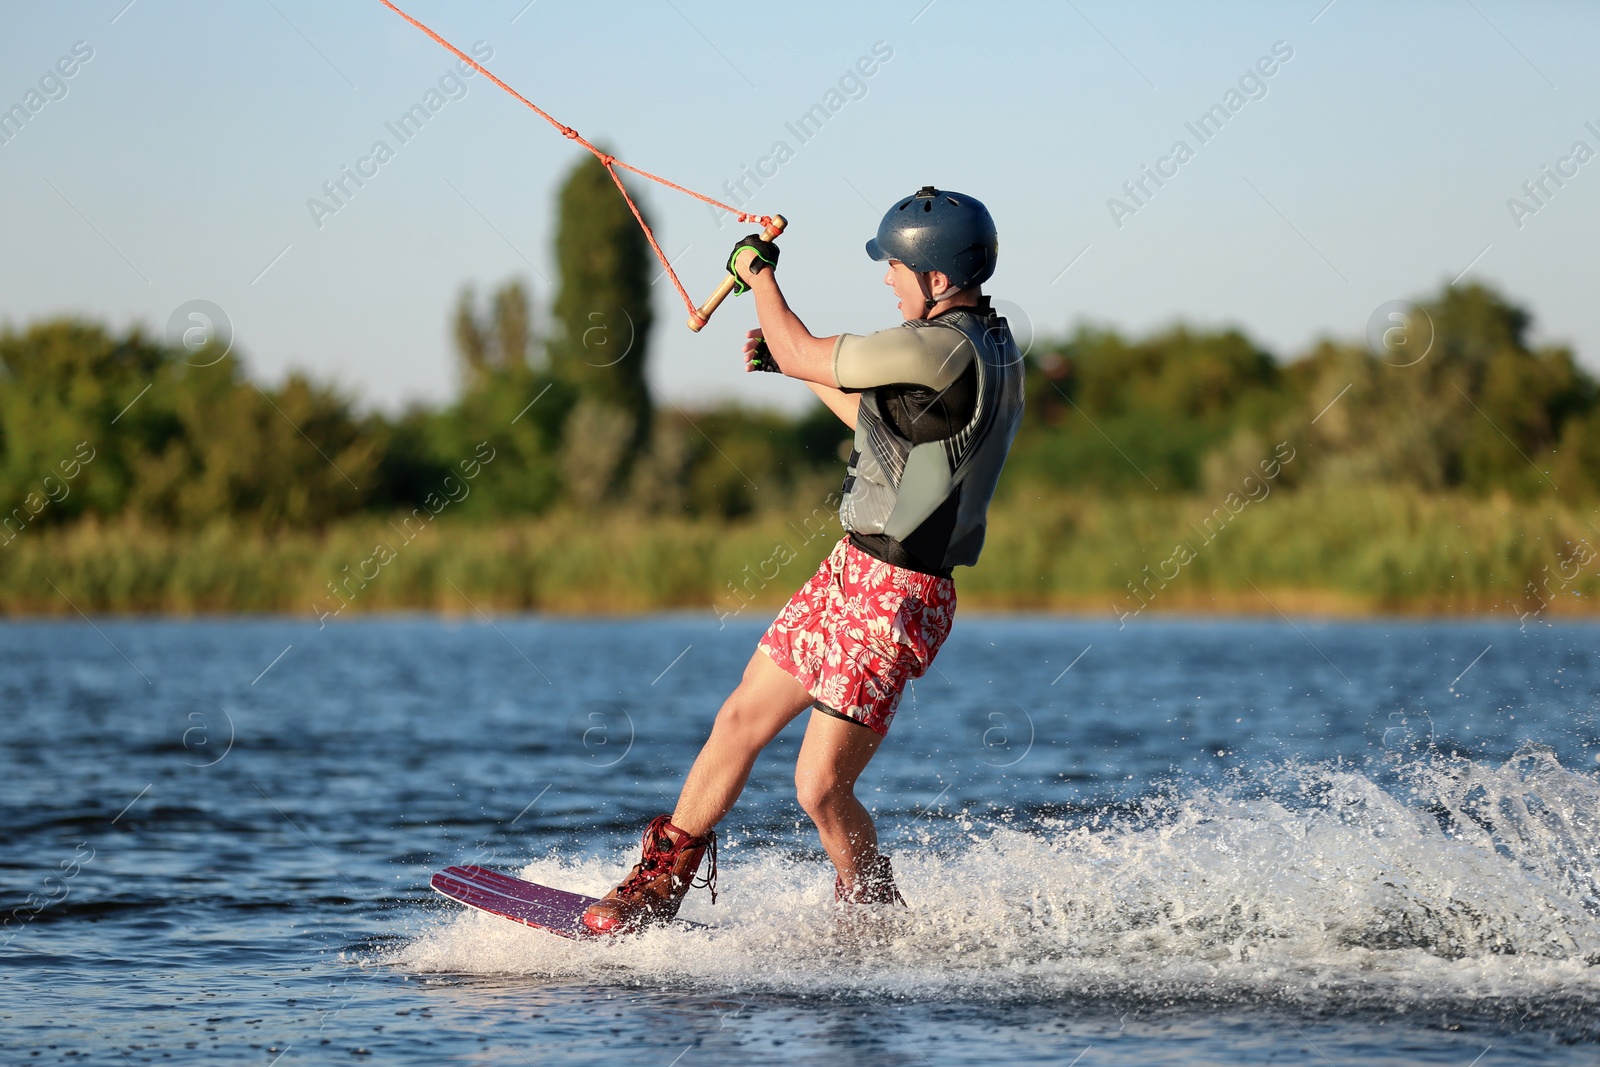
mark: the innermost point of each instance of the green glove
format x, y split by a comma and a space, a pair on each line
766, 257
761, 358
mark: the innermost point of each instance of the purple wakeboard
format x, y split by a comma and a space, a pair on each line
538, 906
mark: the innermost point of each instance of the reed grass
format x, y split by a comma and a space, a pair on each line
1329, 551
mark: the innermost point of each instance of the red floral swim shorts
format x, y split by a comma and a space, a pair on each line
859, 630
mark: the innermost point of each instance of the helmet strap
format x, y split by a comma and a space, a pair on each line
929, 301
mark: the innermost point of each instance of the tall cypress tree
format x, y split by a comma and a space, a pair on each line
602, 318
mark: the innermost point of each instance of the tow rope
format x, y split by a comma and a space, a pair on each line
698, 316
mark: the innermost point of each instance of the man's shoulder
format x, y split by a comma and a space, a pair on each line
944, 340
928, 333
918, 355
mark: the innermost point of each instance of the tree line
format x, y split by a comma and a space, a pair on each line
105, 426
1479, 410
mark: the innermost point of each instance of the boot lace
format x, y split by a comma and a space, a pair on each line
651, 856
710, 880
658, 853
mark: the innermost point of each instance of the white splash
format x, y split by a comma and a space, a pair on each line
1461, 882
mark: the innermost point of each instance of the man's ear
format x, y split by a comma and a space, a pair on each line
938, 284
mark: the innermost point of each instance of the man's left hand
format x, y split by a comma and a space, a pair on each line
763, 256
757, 356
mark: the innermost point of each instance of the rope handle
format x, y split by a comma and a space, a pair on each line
611, 163
699, 316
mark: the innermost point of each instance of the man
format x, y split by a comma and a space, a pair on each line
934, 404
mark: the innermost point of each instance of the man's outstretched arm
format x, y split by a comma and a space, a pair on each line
797, 353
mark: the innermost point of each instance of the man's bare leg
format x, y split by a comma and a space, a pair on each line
832, 757
767, 699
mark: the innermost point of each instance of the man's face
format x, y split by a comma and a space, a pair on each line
903, 280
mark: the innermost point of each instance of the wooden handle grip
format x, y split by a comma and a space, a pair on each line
702, 314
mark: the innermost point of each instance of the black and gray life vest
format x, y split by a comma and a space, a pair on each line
933, 497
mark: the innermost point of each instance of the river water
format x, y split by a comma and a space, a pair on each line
1186, 841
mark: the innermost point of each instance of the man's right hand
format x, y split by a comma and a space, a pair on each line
763, 256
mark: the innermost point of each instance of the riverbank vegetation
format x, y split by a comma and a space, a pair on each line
1319, 550
1190, 469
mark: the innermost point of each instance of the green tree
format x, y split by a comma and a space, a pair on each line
1482, 410
510, 401
602, 324
1108, 413
64, 382
293, 456
499, 343
1521, 397
181, 442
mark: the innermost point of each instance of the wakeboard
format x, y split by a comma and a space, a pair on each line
539, 906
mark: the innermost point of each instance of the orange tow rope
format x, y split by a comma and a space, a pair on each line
610, 162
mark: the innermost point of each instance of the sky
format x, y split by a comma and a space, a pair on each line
1377, 161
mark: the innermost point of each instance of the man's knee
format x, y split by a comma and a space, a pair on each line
820, 790
742, 717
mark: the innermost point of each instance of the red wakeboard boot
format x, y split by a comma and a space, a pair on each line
657, 884
874, 885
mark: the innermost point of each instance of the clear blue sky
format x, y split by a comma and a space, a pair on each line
1377, 165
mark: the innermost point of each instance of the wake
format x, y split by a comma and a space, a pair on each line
1454, 881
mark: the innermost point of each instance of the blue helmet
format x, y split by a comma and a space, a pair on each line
936, 229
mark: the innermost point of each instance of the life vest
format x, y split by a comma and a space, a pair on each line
933, 497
